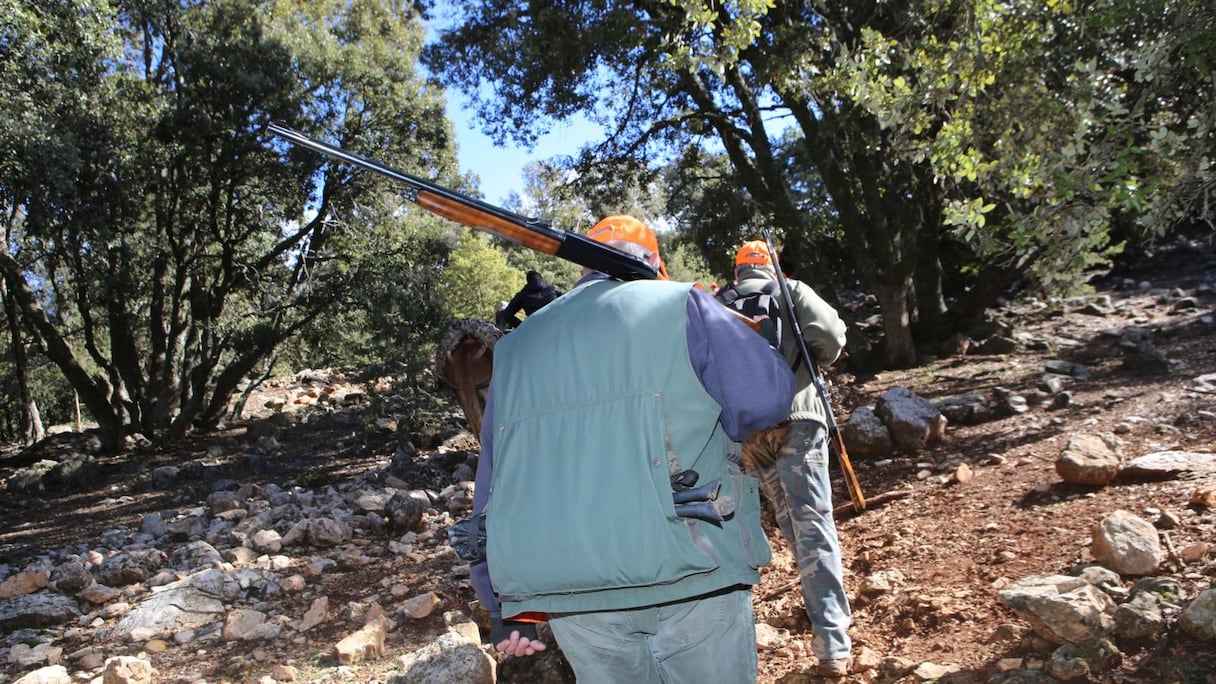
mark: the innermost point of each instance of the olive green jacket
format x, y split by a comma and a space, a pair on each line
822, 329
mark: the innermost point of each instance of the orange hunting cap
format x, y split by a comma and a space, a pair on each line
628, 229
753, 253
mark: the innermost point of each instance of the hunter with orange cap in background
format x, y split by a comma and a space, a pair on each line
791, 460
610, 502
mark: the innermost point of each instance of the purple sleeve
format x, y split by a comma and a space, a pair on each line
479, 573
748, 379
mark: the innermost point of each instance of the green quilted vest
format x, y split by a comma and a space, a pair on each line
595, 404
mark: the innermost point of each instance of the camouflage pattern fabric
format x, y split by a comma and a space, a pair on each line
791, 462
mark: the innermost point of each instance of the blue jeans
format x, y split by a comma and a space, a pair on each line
711, 639
795, 480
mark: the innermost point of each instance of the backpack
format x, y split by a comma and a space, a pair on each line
764, 307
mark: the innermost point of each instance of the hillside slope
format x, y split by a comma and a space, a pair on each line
924, 567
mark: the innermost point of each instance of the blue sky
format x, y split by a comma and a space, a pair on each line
501, 169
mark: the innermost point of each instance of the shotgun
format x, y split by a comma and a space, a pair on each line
850, 478
533, 233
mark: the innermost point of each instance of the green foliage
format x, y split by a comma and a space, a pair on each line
685, 262
51, 391
715, 32
887, 143
397, 314
1028, 113
425, 414
314, 477
157, 235
477, 277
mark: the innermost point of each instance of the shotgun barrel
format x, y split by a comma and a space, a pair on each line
532, 233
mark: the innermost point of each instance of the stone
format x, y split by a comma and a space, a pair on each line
241, 623
134, 567
1199, 617
71, 577
769, 637
1167, 465
1127, 544
25, 655
36, 610
23, 583
128, 670
1061, 609
405, 510
315, 614
1204, 496
53, 674
966, 409
914, 422
1087, 460
326, 532
931, 672
365, 644
463, 625
865, 435
1067, 663
188, 603
450, 658
1139, 618
420, 606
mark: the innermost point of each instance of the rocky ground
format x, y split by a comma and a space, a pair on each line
308, 543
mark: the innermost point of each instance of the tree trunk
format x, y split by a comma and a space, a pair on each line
969, 308
930, 322
94, 391
899, 348
31, 421
880, 221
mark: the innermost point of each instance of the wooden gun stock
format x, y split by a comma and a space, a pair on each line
846, 467
465, 215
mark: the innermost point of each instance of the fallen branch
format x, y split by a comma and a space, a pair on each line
1172, 556
847, 510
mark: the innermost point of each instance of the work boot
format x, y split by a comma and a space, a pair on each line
834, 668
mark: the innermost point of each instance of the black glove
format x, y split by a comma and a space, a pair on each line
500, 630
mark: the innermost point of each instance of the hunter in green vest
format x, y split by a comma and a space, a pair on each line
597, 404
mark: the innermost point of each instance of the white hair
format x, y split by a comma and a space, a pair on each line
634, 249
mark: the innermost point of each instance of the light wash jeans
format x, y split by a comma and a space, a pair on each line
707, 640
796, 482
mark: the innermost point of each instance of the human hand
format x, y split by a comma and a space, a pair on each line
516, 638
